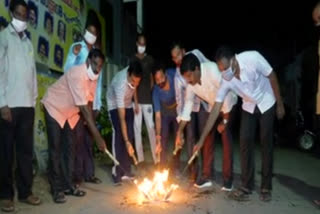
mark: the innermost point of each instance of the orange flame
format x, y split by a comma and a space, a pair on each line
157, 189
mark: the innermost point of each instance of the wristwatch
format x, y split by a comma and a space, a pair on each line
225, 121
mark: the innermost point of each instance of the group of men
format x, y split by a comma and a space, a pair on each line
196, 99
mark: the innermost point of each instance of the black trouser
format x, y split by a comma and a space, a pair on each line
61, 155
17, 135
119, 149
247, 136
84, 163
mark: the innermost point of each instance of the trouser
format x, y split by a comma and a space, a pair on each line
167, 121
146, 111
84, 162
208, 149
119, 148
61, 155
247, 136
16, 141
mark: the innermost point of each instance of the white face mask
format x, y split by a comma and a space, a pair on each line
141, 49
228, 74
19, 25
92, 76
130, 85
89, 37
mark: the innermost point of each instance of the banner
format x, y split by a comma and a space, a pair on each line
53, 25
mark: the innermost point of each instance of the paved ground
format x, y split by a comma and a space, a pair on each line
296, 184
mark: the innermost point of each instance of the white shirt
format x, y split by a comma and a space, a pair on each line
180, 86
18, 76
254, 85
119, 94
207, 90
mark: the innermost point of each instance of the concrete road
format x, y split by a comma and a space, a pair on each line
296, 183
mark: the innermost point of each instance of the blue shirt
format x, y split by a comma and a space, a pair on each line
162, 98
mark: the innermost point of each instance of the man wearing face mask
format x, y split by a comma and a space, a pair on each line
63, 103
18, 93
84, 163
143, 101
119, 99
164, 102
251, 77
204, 80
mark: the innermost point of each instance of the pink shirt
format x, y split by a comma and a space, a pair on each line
73, 89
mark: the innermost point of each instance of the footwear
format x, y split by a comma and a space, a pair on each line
7, 206
265, 195
240, 194
203, 183
75, 192
227, 189
59, 198
93, 180
32, 200
128, 177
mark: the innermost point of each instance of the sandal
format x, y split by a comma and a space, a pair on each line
59, 198
93, 180
7, 206
75, 192
240, 194
317, 202
265, 195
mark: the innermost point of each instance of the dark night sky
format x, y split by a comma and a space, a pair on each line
278, 31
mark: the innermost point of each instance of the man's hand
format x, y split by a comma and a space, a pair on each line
221, 127
158, 148
197, 147
280, 110
179, 141
136, 109
129, 148
101, 144
76, 49
6, 113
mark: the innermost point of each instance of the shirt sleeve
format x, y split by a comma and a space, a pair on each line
120, 91
188, 106
262, 65
97, 103
76, 84
156, 100
222, 91
179, 94
3, 71
71, 59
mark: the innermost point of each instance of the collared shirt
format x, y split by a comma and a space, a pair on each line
181, 85
165, 101
79, 59
210, 82
119, 94
254, 85
18, 75
73, 89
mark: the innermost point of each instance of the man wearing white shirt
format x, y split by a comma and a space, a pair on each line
193, 126
205, 85
119, 99
18, 93
250, 76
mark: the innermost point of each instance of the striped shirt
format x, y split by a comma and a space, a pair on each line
119, 93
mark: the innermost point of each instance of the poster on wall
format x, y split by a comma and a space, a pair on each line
53, 25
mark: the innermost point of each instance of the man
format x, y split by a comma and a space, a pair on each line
63, 102
84, 162
18, 93
191, 130
205, 80
251, 77
164, 102
143, 101
119, 99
